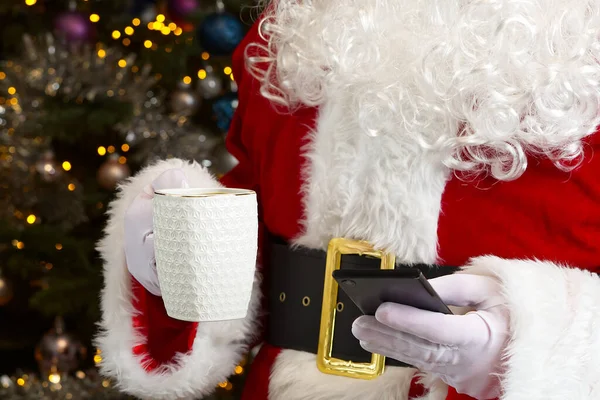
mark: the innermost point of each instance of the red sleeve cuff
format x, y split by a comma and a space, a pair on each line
165, 336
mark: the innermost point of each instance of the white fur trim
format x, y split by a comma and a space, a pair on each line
554, 353
295, 377
217, 346
386, 189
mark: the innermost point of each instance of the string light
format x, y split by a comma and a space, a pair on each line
160, 18
31, 219
20, 245
129, 30
223, 384
172, 26
122, 63
105, 383
238, 370
187, 80
151, 25
71, 187
116, 35
58, 246
54, 378
205, 56
111, 149
126, 42
2, 75
97, 358
21, 382
125, 147
136, 22
158, 26
101, 150
227, 70
12, 90
66, 166
202, 74
122, 160
165, 30
135, 68
30, 2
49, 266
94, 18
80, 374
101, 53
178, 31
147, 43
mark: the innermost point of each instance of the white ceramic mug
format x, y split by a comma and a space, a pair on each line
206, 243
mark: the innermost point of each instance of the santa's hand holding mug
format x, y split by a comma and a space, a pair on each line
195, 247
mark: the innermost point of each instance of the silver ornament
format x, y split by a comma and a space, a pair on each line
58, 351
211, 85
184, 102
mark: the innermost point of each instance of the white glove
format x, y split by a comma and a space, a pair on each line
139, 236
465, 351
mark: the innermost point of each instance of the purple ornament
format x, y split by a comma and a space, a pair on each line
181, 9
73, 26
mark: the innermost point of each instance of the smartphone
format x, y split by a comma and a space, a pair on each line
368, 289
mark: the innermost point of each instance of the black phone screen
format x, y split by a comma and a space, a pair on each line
368, 289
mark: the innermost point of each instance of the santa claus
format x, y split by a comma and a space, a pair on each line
457, 135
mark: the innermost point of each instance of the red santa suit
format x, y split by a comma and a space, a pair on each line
334, 166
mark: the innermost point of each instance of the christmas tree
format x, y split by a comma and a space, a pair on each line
90, 92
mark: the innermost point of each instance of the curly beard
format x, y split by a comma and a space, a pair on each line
482, 83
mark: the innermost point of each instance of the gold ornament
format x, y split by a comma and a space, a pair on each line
113, 171
58, 352
6, 290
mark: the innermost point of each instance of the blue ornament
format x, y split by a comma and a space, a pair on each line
224, 109
220, 33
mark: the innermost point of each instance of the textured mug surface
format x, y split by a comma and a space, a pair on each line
206, 243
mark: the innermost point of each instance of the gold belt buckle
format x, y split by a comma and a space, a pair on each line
325, 362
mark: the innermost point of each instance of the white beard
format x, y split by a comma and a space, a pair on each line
479, 83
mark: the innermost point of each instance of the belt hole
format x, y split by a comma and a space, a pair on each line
340, 306
282, 297
305, 301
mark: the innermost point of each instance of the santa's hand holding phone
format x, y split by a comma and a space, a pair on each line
465, 351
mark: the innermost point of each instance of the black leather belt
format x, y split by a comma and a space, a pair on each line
295, 295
